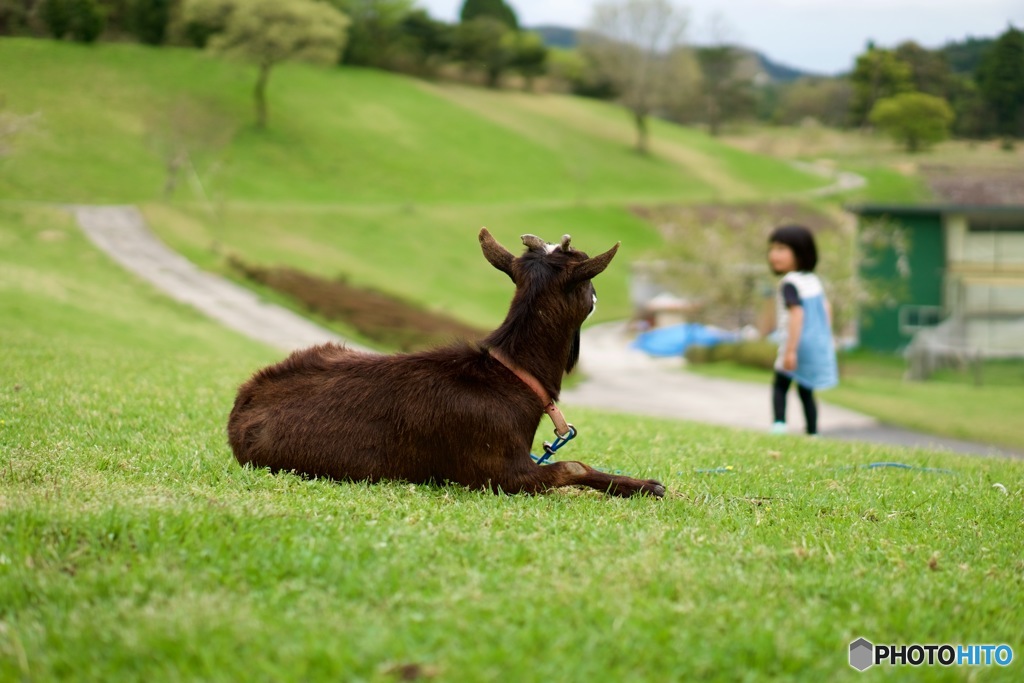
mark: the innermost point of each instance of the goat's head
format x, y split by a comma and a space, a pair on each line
552, 280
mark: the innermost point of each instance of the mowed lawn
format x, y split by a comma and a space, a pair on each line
428, 255
105, 114
132, 547
361, 172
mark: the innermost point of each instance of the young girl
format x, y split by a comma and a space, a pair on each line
806, 351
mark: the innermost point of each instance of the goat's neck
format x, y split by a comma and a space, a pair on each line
537, 346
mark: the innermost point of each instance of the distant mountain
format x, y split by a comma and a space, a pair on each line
764, 70
780, 73
557, 36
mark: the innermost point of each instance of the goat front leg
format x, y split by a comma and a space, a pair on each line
572, 473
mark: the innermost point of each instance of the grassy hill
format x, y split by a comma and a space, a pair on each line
361, 171
341, 136
336, 136
132, 547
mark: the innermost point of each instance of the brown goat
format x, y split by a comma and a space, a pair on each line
462, 413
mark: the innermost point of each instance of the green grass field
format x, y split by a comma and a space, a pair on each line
373, 246
360, 170
352, 155
134, 548
340, 136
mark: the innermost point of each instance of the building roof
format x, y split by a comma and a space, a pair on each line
992, 186
932, 209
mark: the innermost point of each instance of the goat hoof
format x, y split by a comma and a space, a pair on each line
653, 487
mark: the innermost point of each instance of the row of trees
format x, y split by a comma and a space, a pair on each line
634, 51
88, 20
387, 34
638, 48
919, 96
919, 89
637, 52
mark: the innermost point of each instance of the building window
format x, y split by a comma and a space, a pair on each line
914, 318
995, 224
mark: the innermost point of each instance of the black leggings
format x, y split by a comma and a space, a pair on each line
779, 389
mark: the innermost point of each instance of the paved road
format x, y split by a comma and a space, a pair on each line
618, 378
121, 232
844, 181
627, 380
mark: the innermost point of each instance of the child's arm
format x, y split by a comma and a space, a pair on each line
796, 326
793, 304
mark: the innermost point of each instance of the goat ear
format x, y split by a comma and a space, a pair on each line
499, 257
593, 267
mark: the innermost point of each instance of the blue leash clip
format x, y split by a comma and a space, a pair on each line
550, 448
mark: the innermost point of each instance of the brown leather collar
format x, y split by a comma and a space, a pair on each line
553, 411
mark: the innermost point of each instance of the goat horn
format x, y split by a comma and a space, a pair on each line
535, 243
565, 242
498, 256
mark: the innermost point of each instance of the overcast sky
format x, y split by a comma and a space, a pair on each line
821, 36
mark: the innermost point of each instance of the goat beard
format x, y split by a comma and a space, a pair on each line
574, 352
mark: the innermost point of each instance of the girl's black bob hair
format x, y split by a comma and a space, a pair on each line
801, 241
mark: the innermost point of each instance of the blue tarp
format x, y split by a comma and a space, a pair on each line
674, 340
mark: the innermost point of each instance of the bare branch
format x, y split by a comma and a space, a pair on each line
634, 45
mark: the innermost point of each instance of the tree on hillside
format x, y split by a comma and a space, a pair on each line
81, 20
148, 19
1001, 81
965, 57
973, 119
529, 55
494, 9
929, 70
878, 74
268, 32
825, 100
914, 119
578, 75
200, 21
15, 17
724, 94
481, 44
425, 41
631, 45
374, 36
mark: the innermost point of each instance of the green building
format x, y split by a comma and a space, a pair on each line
956, 268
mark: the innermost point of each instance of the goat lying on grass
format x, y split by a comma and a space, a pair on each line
462, 413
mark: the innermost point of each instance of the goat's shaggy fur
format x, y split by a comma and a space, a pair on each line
450, 414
